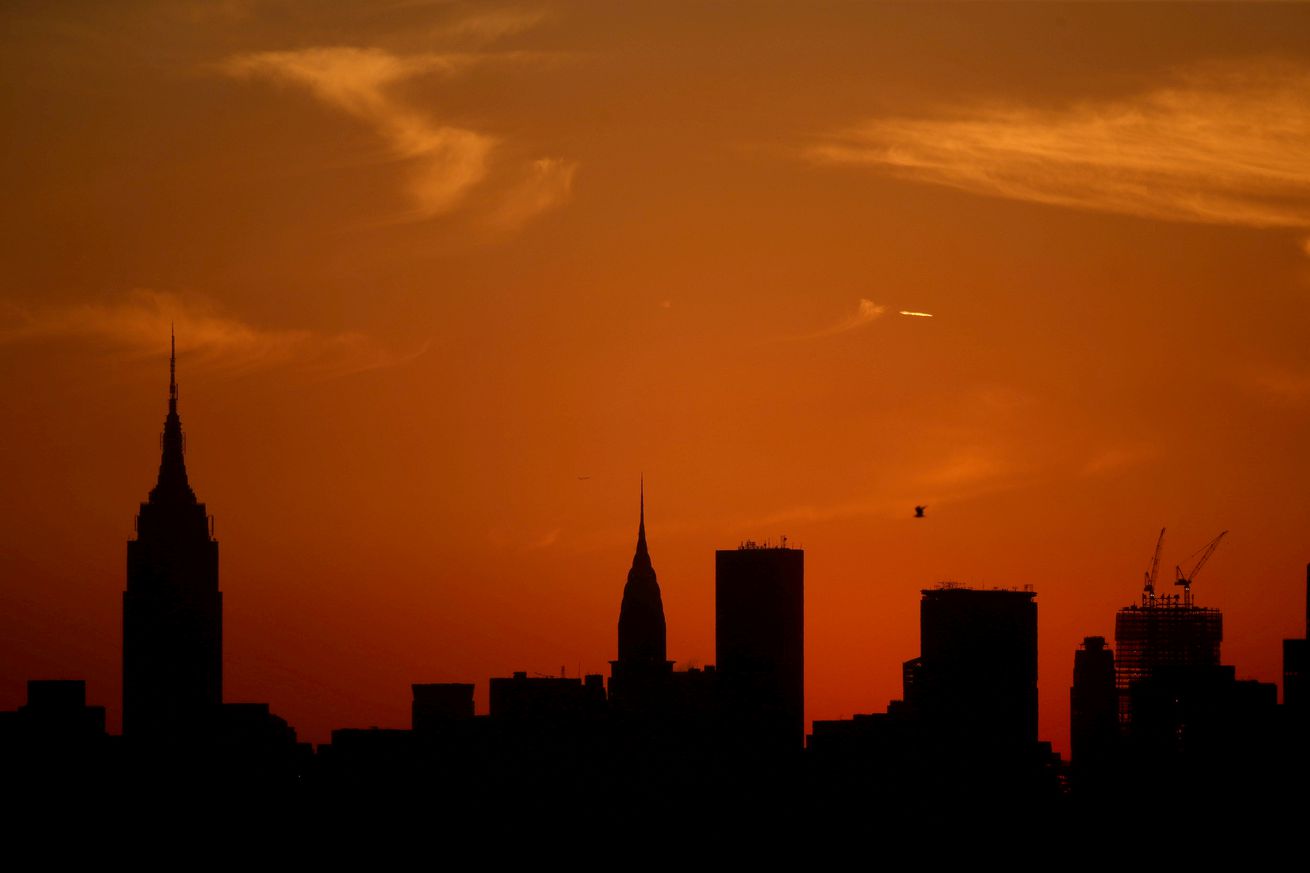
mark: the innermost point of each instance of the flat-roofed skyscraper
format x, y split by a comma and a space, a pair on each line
759, 625
1093, 712
976, 676
1294, 663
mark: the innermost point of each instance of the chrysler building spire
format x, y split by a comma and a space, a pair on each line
641, 617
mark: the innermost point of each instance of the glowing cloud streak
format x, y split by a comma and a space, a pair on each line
139, 323
865, 312
446, 162
1216, 147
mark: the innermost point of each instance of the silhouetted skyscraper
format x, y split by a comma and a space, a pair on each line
1162, 632
759, 626
1093, 710
1294, 661
976, 674
172, 608
642, 661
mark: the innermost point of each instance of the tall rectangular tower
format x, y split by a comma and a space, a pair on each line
976, 675
1295, 657
759, 626
1093, 710
172, 608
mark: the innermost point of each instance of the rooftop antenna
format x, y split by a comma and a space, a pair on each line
172, 367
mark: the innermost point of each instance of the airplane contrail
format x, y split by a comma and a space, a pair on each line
918, 314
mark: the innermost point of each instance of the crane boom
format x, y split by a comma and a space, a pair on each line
1148, 591
1186, 580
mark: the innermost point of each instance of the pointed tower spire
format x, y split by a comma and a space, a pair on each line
641, 615
172, 485
172, 369
172, 608
641, 525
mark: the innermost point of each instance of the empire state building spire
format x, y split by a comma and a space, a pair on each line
172, 486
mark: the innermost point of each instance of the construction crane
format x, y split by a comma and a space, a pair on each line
1148, 590
1186, 580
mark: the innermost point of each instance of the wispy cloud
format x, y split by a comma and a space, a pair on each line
965, 467
446, 162
1113, 459
502, 537
1220, 147
546, 540
865, 312
139, 324
546, 184
489, 25
1289, 386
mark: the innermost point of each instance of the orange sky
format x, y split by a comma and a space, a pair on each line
431, 262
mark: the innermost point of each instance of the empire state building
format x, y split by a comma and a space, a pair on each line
172, 608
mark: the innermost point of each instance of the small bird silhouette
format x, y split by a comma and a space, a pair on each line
918, 511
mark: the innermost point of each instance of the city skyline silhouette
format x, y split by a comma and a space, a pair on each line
1164, 717
467, 297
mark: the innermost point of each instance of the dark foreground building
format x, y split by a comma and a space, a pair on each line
176, 726
1162, 633
967, 727
1093, 716
172, 608
1294, 664
55, 737
977, 669
1189, 732
759, 626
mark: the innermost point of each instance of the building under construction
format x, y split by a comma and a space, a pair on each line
1164, 631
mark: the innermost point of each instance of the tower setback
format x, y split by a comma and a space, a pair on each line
172, 608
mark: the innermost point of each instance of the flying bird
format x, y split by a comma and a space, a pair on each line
918, 511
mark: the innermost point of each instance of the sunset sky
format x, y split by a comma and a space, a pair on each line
448, 278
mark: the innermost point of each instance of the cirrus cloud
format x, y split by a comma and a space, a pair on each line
865, 312
446, 162
139, 323
1216, 146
